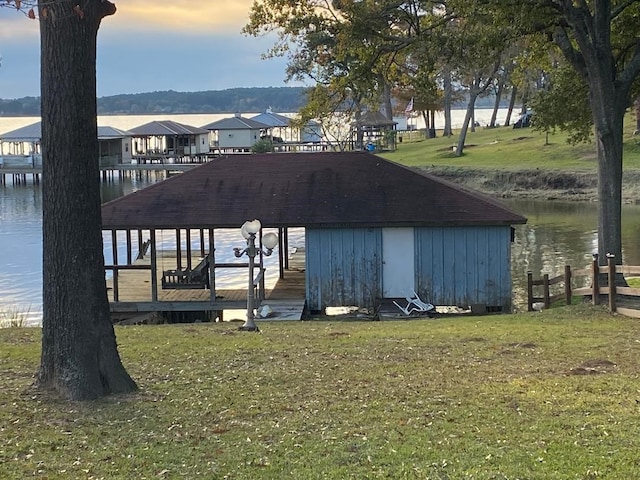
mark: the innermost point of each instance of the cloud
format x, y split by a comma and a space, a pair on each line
15, 25
186, 16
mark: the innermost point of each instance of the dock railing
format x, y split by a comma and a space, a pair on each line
595, 272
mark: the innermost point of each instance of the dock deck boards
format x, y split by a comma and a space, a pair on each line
286, 297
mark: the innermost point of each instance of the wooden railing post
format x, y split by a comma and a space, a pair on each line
567, 284
612, 281
595, 283
529, 291
545, 283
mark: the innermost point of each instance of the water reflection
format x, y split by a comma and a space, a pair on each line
556, 234
563, 233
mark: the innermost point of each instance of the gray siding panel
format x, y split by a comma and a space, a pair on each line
464, 265
343, 267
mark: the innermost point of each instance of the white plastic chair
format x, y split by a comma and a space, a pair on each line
414, 304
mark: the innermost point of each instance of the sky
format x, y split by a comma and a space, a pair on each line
181, 45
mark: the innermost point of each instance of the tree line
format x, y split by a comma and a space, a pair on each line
250, 99
254, 99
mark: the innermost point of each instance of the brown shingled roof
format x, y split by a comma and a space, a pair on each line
299, 189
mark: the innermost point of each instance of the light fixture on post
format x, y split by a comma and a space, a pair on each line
249, 231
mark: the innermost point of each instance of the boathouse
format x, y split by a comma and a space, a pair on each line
374, 131
21, 147
281, 126
167, 141
373, 229
235, 134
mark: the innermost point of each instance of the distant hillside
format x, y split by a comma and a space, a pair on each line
258, 99
246, 100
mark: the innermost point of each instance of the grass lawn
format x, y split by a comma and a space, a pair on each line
506, 148
550, 395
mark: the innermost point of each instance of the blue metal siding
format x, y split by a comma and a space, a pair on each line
464, 265
454, 266
343, 267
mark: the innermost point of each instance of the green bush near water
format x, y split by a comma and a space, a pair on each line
549, 395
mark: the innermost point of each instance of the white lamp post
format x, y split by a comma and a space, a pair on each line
249, 231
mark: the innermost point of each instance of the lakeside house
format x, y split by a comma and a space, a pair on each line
235, 134
374, 230
22, 147
279, 126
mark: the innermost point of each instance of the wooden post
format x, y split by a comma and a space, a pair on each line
212, 269
140, 245
129, 248
595, 283
154, 266
529, 291
178, 249
115, 271
545, 283
612, 281
188, 249
567, 284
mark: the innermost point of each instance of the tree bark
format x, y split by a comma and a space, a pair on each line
512, 103
496, 105
448, 93
608, 116
79, 359
386, 98
465, 125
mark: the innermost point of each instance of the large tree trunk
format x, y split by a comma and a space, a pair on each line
448, 93
512, 103
465, 125
386, 100
608, 115
79, 357
496, 105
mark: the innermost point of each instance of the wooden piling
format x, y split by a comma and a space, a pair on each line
529, 291
567, 284
545, 287
612, 281
595, 284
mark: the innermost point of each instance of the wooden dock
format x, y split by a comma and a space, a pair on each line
286, 297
